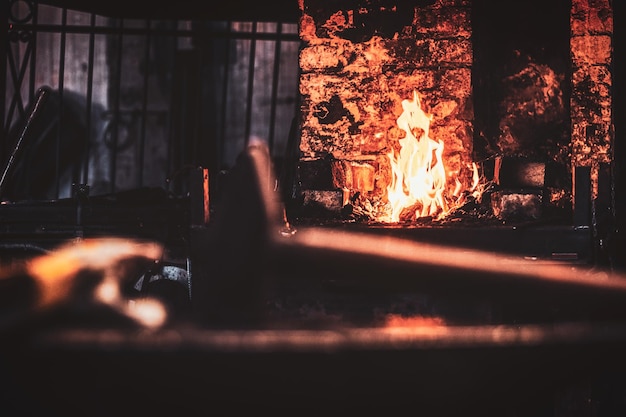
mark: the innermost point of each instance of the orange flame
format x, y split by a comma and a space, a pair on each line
418, 179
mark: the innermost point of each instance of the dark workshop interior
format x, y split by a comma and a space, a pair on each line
313, 207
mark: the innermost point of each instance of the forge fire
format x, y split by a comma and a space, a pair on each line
419, 182
413, 110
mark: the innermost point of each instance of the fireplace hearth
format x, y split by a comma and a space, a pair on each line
470, 111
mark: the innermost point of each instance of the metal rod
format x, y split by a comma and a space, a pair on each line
144, 106
103, 30
116, 108
250, 92
222, 125
42, 96
275, 78
89, 99
4, 52
57, 166
33, 59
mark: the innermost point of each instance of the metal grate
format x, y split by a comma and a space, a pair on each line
139, 103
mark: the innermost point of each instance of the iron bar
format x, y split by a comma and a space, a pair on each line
4, 52
250, 92
105, 30
172, 162
144, 106
116, 107
89, 99
222, 125
57, 167
33, 60
275, 78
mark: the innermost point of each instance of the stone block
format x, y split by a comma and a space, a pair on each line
511, 172
322, 203
354, 175
515, 205
315, 174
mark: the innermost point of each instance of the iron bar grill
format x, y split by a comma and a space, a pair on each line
76, 52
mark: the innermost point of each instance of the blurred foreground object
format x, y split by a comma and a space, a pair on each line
80, 277
501, 335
